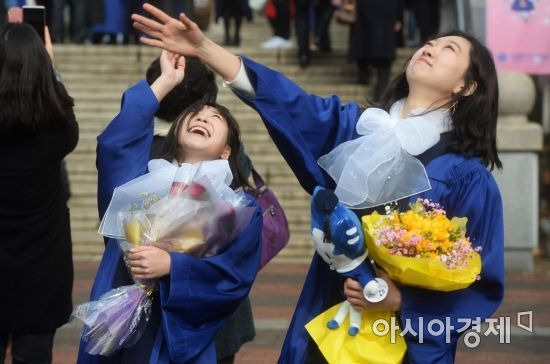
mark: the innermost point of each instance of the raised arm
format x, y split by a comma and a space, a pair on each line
123, 148
184, 37
303, 126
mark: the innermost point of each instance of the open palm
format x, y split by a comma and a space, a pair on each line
179, 36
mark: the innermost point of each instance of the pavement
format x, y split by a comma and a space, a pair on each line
278, 286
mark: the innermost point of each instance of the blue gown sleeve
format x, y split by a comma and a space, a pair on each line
475, 195
303, 126
201, 294
123, 147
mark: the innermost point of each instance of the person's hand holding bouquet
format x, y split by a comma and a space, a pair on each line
422, 247
191, 218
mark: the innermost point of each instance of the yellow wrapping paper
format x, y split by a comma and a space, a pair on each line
366, 348
419, 272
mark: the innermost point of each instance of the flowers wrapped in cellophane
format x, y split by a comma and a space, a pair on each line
195, 213
422, 247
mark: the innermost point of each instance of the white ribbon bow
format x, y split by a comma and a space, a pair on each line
379, 167
158, 181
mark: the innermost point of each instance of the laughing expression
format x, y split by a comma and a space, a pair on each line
204, 135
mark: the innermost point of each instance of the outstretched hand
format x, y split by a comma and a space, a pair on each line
179, 36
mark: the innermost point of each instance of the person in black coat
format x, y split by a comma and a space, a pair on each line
373, 39
37, 130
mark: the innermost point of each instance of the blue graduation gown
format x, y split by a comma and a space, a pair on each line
199, 294
304, 127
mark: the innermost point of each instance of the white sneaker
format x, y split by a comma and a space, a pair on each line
286, 44
272, 43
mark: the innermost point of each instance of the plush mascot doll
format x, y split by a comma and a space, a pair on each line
339, 240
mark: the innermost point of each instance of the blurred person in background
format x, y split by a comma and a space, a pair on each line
426, 13
323, 11
373, 40
78, 20
37, 130
236, 9
111, 24
279, 12
174, 7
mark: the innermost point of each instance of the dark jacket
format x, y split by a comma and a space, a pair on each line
372, 36
35, 236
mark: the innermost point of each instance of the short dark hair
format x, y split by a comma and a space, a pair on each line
31, 96
172, 147
474, 116
199, 81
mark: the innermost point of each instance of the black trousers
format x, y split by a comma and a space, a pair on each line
427, 17
323, 15
78, 20
281, 23
27, 348
383, 67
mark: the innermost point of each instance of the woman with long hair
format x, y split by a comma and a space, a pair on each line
37, 130
448, 90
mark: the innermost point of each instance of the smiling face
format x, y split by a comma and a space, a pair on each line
203, 136
440, 66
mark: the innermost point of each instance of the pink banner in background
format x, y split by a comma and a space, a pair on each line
518, 34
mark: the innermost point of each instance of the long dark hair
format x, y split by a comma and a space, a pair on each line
31, 96
172, 148
474, 116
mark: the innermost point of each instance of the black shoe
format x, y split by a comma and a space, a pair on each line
237, 41
304, 61
363, 77
227, 40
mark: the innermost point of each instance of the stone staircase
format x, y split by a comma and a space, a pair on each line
96, 76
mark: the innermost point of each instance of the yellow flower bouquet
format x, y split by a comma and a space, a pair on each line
422, 247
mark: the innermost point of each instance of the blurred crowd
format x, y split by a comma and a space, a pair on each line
377, 28
95, 21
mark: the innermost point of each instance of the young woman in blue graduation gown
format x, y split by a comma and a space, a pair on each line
195, 296
453, 75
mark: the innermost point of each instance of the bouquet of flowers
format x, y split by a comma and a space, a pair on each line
192, 218
422, 247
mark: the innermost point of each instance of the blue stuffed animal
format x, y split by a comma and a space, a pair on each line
339, 240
